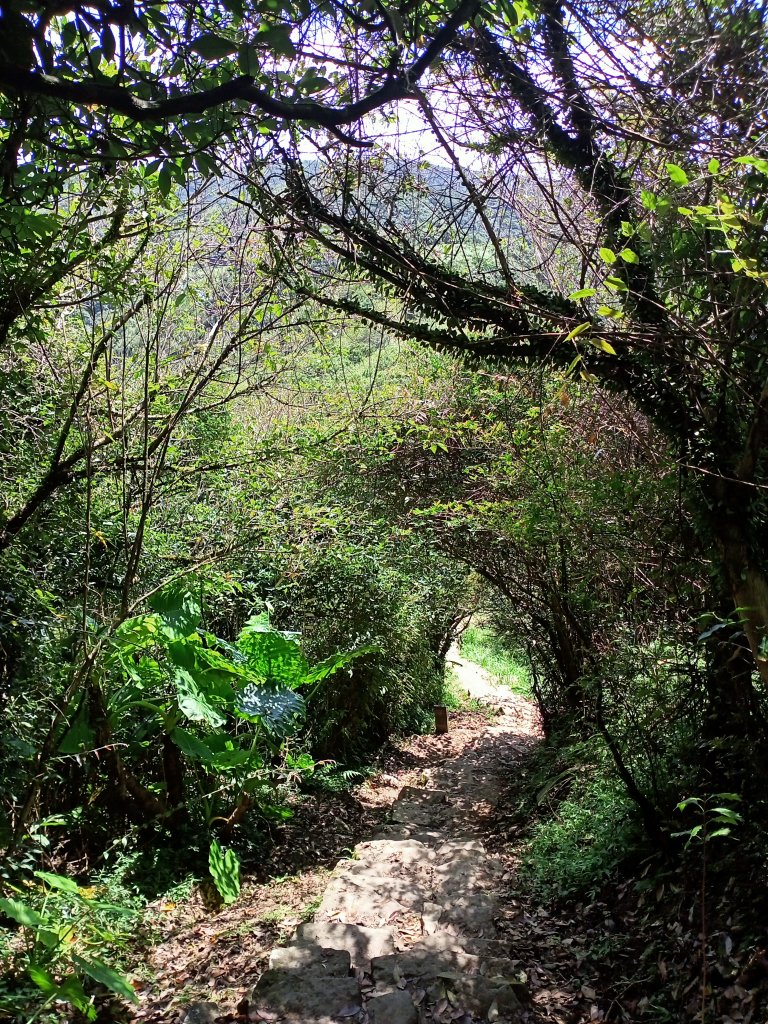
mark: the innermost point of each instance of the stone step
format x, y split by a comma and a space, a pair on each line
362, 944
424, 797
370, 876
307, 996
386, 971
451, 974
420, 808
374, 901
393, 831
442, 940
405, 852
464, 871
334, 963
392, 1008
473, 914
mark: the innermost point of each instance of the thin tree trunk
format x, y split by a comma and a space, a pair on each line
731, 515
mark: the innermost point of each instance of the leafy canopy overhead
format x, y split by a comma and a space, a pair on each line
116, 81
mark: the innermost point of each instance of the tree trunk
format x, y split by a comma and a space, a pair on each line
731, 516
174, 774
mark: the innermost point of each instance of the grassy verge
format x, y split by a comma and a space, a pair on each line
481, 645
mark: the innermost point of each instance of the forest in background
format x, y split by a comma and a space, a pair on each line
324, 328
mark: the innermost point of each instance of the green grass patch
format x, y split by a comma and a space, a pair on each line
483, 646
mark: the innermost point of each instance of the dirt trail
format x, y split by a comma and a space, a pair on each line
406, 930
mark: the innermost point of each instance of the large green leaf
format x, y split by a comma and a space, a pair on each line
214, 660
194, 701
225, 871
277, 707
79, 735
274, 656
213, 672
190, 745
222, 753
105, 976
137, 632
179, 608
234, 758
134, 634
328, 666
278, 38
260, 624
71, 989
22, 913
42, 978
58, 881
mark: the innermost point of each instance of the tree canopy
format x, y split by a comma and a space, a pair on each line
116, 81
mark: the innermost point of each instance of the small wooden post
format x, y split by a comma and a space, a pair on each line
441, 719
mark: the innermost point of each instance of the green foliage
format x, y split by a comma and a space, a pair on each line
225, 871
275, 657
110, 74
487, 649
332, 777
579, 849
174, 671
397, 609
179, 419
66, 931
716, 816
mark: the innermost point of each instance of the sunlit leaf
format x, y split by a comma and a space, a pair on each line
42, 978
603, 345
179, 608
22, 913
107, 977
276, 707
676, 174
225, 871
272, 655
194, 702
58, 881
332, 664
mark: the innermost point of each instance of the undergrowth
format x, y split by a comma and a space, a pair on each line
580, 847
330, 777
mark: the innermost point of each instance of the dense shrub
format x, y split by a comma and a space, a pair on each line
404, 607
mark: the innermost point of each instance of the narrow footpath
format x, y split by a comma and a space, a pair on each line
405, 932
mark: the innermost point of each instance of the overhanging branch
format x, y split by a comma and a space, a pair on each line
90, 93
